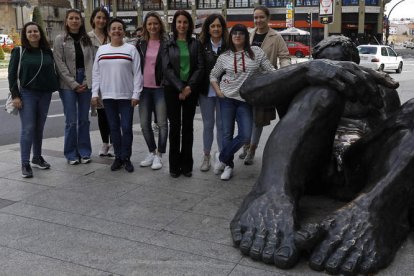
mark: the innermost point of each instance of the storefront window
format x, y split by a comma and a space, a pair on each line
209, 4
350, 2
179, 4
371, 2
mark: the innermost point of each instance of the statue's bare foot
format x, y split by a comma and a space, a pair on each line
264, 228
359, 239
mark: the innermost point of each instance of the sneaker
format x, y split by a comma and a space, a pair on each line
73, 162
110, 151
148, 160
27, 171
205, 166
128, 165
244, 153
40, 163
218, 165
104, 149
85, 160
156, 163
227, 173
116, 165
249, 158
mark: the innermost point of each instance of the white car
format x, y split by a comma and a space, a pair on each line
380, 57
5, 40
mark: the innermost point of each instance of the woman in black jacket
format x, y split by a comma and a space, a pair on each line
183, 72
213, 38
152, 98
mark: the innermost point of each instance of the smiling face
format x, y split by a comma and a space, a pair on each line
238, 38
153, 26
33, 35
215, 29
100, 21
116, 33
73, 22
261, 20
182, 26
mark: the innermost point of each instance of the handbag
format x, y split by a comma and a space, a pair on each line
9, 106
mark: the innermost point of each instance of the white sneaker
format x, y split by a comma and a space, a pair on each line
227, 173
104, 149
205, 166
156, 163
218, 165
110, 151
148, 160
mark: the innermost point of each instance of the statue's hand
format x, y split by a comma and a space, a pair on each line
354, 81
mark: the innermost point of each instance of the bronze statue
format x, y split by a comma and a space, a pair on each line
342, 132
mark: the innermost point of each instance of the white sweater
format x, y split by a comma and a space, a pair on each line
237, 67
117, 73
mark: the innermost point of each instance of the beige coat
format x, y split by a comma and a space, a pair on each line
65, 59
275, 48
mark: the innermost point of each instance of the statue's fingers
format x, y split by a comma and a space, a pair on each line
268, 254
258, 245
247, 240
236, 233
322, 252
309, 235
382, 78
286, 254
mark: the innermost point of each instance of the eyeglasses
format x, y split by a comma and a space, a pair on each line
238, 33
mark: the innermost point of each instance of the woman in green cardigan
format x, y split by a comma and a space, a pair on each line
38, 80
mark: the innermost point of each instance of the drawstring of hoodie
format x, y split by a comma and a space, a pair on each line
235, 63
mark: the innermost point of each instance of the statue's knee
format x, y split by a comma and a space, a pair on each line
321, 96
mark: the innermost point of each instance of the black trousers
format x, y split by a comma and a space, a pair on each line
181, 118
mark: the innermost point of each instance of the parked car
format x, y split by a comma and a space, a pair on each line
297, 49
410, 45
380, 57
5, 40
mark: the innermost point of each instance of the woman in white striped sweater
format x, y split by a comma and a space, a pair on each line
235, 65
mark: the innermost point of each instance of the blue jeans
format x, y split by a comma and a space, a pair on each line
33, 117
153, 100
234, 111
210, 112
120, 114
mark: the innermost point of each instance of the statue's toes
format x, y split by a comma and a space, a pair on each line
309, 235
257, 246
236, 234
369, 265
286, 255
269, 249
322, 252
350, 265
246, 241
335, 261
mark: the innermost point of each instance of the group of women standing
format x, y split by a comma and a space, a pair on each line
166, 76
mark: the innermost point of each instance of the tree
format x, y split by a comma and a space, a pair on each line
37, 17
2, 57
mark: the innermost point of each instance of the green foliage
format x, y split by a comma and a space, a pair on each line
2, 57
37, 17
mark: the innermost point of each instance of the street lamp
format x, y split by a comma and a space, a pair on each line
21, 4
387, 26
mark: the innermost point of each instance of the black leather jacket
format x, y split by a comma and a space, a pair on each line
171, 64
142, 50
210, 58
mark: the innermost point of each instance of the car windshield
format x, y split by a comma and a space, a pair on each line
367, 50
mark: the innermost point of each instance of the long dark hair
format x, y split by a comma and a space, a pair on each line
84, 37
144, 25
43, 43
246, 46
205, 29
93, 15
190, 24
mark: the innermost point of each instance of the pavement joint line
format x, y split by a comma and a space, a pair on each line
53, 258
123, 238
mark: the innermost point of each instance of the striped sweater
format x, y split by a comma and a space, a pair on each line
117, 73
236, 67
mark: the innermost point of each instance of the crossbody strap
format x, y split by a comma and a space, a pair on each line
18, 67
38, 71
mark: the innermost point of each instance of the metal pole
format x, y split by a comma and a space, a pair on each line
387, 27
310, 36
325, 31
